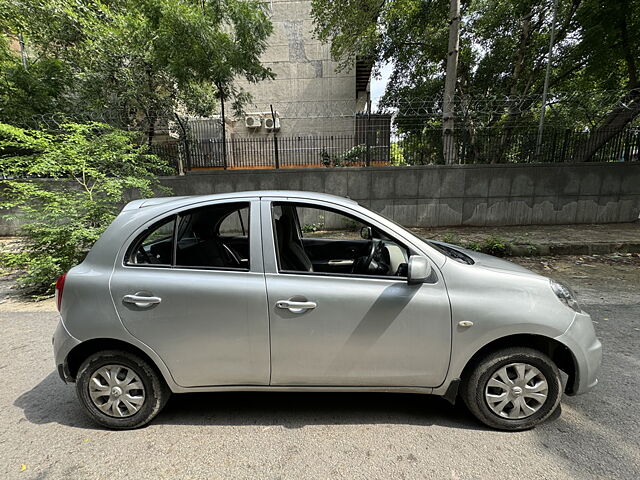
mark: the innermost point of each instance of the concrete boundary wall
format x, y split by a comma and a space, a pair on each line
438, 195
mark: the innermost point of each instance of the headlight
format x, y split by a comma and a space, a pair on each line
565, 295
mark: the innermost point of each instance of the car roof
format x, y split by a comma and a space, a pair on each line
186, 200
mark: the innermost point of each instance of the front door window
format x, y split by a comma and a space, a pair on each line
321, 240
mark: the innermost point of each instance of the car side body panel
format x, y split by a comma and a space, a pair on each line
88, 313
526, 305
497, 298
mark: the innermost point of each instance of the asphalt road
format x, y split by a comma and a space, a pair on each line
44, 434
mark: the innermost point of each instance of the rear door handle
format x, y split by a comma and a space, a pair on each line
141, 301
296, 307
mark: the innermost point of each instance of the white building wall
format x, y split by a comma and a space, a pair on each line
311, 98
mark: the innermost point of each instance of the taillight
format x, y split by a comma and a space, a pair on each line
60, 289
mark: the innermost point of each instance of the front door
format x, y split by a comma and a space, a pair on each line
197, 299
358, 324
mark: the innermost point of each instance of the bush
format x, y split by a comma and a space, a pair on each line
349, 158
95, 167
396, 155
451, 238
493, 245
312, 227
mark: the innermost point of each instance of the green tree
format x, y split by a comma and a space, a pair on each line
65, 189
140, 60
503, 56
609, 50
25, 93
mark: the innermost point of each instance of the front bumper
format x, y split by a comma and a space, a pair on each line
581, 339
63, 343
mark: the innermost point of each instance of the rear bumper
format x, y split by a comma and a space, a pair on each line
63, 343
581, 339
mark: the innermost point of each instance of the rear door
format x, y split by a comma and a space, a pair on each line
207, 321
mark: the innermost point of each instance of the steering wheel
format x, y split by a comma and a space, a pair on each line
141, 252
362, 266
231, 255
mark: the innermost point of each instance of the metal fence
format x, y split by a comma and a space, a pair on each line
339, 133
421, 147
498, 146
274, 152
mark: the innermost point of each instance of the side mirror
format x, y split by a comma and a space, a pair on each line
365, 232
419, 270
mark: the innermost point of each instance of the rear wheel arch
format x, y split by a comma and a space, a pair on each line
557, 351
82, 351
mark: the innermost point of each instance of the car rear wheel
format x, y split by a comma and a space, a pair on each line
513, 389
120, 390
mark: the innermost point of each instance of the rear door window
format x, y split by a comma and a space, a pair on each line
154, 247
215, 236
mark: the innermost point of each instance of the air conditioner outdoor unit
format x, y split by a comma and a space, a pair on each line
269, 124
252, 121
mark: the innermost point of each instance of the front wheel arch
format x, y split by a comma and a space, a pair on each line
557, 351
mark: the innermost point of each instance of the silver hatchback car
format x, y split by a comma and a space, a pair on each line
292, 291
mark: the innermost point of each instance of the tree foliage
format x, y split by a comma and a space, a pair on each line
504, 52
36, 91
66, 188
139, 60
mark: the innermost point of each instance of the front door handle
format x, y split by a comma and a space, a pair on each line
142, 301
296, 307
341, 263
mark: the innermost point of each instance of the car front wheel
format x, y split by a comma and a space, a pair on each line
513, 389
120, 390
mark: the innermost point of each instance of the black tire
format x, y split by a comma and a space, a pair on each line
156, 391
475, 382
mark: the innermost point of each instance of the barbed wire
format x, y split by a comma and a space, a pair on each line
482, 104
562, 107
53, 121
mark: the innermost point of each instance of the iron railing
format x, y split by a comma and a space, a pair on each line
420, 147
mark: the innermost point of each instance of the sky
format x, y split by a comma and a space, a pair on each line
378, 85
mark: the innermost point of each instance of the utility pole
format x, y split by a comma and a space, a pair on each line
448, 101
367, 135
276, 154
185, 143
224, 127
23, 51
545, 91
